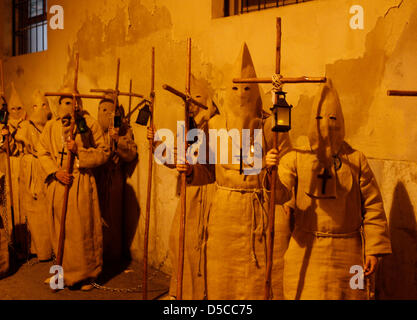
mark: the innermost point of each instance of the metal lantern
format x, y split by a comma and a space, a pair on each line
81, 124
144, 115
282, 113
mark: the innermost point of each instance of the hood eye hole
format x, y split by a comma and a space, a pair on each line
247, 88
319, 117
235, 88
333, 118
198, 96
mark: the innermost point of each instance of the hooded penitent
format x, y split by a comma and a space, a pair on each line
200, 92
106, 111
242, 102
65, 108
111, 177
326, 135
41, 111
197, 201
32, 187
16, 109
327, 125
231, 248
338, 214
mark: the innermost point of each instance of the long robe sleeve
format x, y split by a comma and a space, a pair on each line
98, 155
377, 240
127, 149
44, 149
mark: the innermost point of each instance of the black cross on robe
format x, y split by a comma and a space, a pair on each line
324, 176
62, 153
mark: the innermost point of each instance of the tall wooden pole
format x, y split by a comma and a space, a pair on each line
273, 180
180, 267
149, 193
69, 169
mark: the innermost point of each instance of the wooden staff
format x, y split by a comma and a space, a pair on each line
70, 160
148, 199
7, 143
70, 168
273, 176
271, 216
180, 269
187, 101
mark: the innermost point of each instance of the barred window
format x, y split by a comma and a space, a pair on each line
234, 7
29, 26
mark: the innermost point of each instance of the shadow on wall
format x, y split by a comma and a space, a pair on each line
397, 274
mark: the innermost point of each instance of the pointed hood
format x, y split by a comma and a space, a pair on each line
41, 111
65, 103
327, 126
243, 101
106, 112
200, 91
16, 109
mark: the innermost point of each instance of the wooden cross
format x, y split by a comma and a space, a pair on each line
187, 101
70, 160
115, 92
324, 177
273, 177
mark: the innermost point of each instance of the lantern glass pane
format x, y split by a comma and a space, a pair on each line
283, 116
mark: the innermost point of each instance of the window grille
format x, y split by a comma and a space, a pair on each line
29, 26
233, 7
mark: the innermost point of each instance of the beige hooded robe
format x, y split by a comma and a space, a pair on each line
16, 124
339, 214
83, 248
32, 179
111, 180
198, 199
236, 224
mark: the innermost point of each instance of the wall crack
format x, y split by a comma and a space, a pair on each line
394, 7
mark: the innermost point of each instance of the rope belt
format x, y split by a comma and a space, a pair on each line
320, 234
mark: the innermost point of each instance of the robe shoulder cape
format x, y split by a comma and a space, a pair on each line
331, 234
